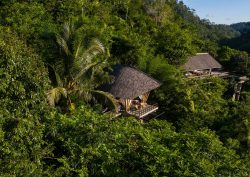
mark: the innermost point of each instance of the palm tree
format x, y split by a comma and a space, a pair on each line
74, 74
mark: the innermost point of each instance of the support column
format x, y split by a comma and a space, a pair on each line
210, 71
237, 90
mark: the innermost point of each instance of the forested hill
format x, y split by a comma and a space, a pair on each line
56, 55
241, 27
240, 42
204, 27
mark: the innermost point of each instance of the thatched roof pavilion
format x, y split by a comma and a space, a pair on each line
128, 85
129, 82
202, 61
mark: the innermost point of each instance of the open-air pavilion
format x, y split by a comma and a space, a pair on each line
202, 65
131, 88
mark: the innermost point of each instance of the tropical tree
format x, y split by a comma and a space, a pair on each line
74, 75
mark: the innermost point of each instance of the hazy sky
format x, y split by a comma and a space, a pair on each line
221, 11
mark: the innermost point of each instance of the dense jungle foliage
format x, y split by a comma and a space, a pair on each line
55, 55
240, 42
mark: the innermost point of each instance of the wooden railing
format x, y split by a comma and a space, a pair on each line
144, 111
212, 74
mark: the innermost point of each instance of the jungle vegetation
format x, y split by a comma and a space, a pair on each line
55, 55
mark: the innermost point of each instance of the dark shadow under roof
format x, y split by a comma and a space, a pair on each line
129, 82
201, 61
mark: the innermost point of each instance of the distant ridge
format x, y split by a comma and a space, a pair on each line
241, 26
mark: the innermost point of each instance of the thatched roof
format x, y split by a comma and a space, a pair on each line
129, 82
201, 61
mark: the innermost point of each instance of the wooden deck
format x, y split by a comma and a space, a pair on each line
213, 74
140, 113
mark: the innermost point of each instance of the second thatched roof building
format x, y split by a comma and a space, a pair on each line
203, 64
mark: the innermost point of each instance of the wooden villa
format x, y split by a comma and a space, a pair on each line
202, 65
131, 88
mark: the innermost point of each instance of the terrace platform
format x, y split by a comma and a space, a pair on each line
142, 112
212, 74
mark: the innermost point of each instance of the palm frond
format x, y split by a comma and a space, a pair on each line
78, 48
63, 44
98, 44
58, 80
84, 62
68, 30
96, 48
84, 69
107, 97
55, 94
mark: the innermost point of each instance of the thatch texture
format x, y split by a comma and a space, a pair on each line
129, 82
201, 62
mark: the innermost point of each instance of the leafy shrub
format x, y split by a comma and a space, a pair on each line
23, 80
